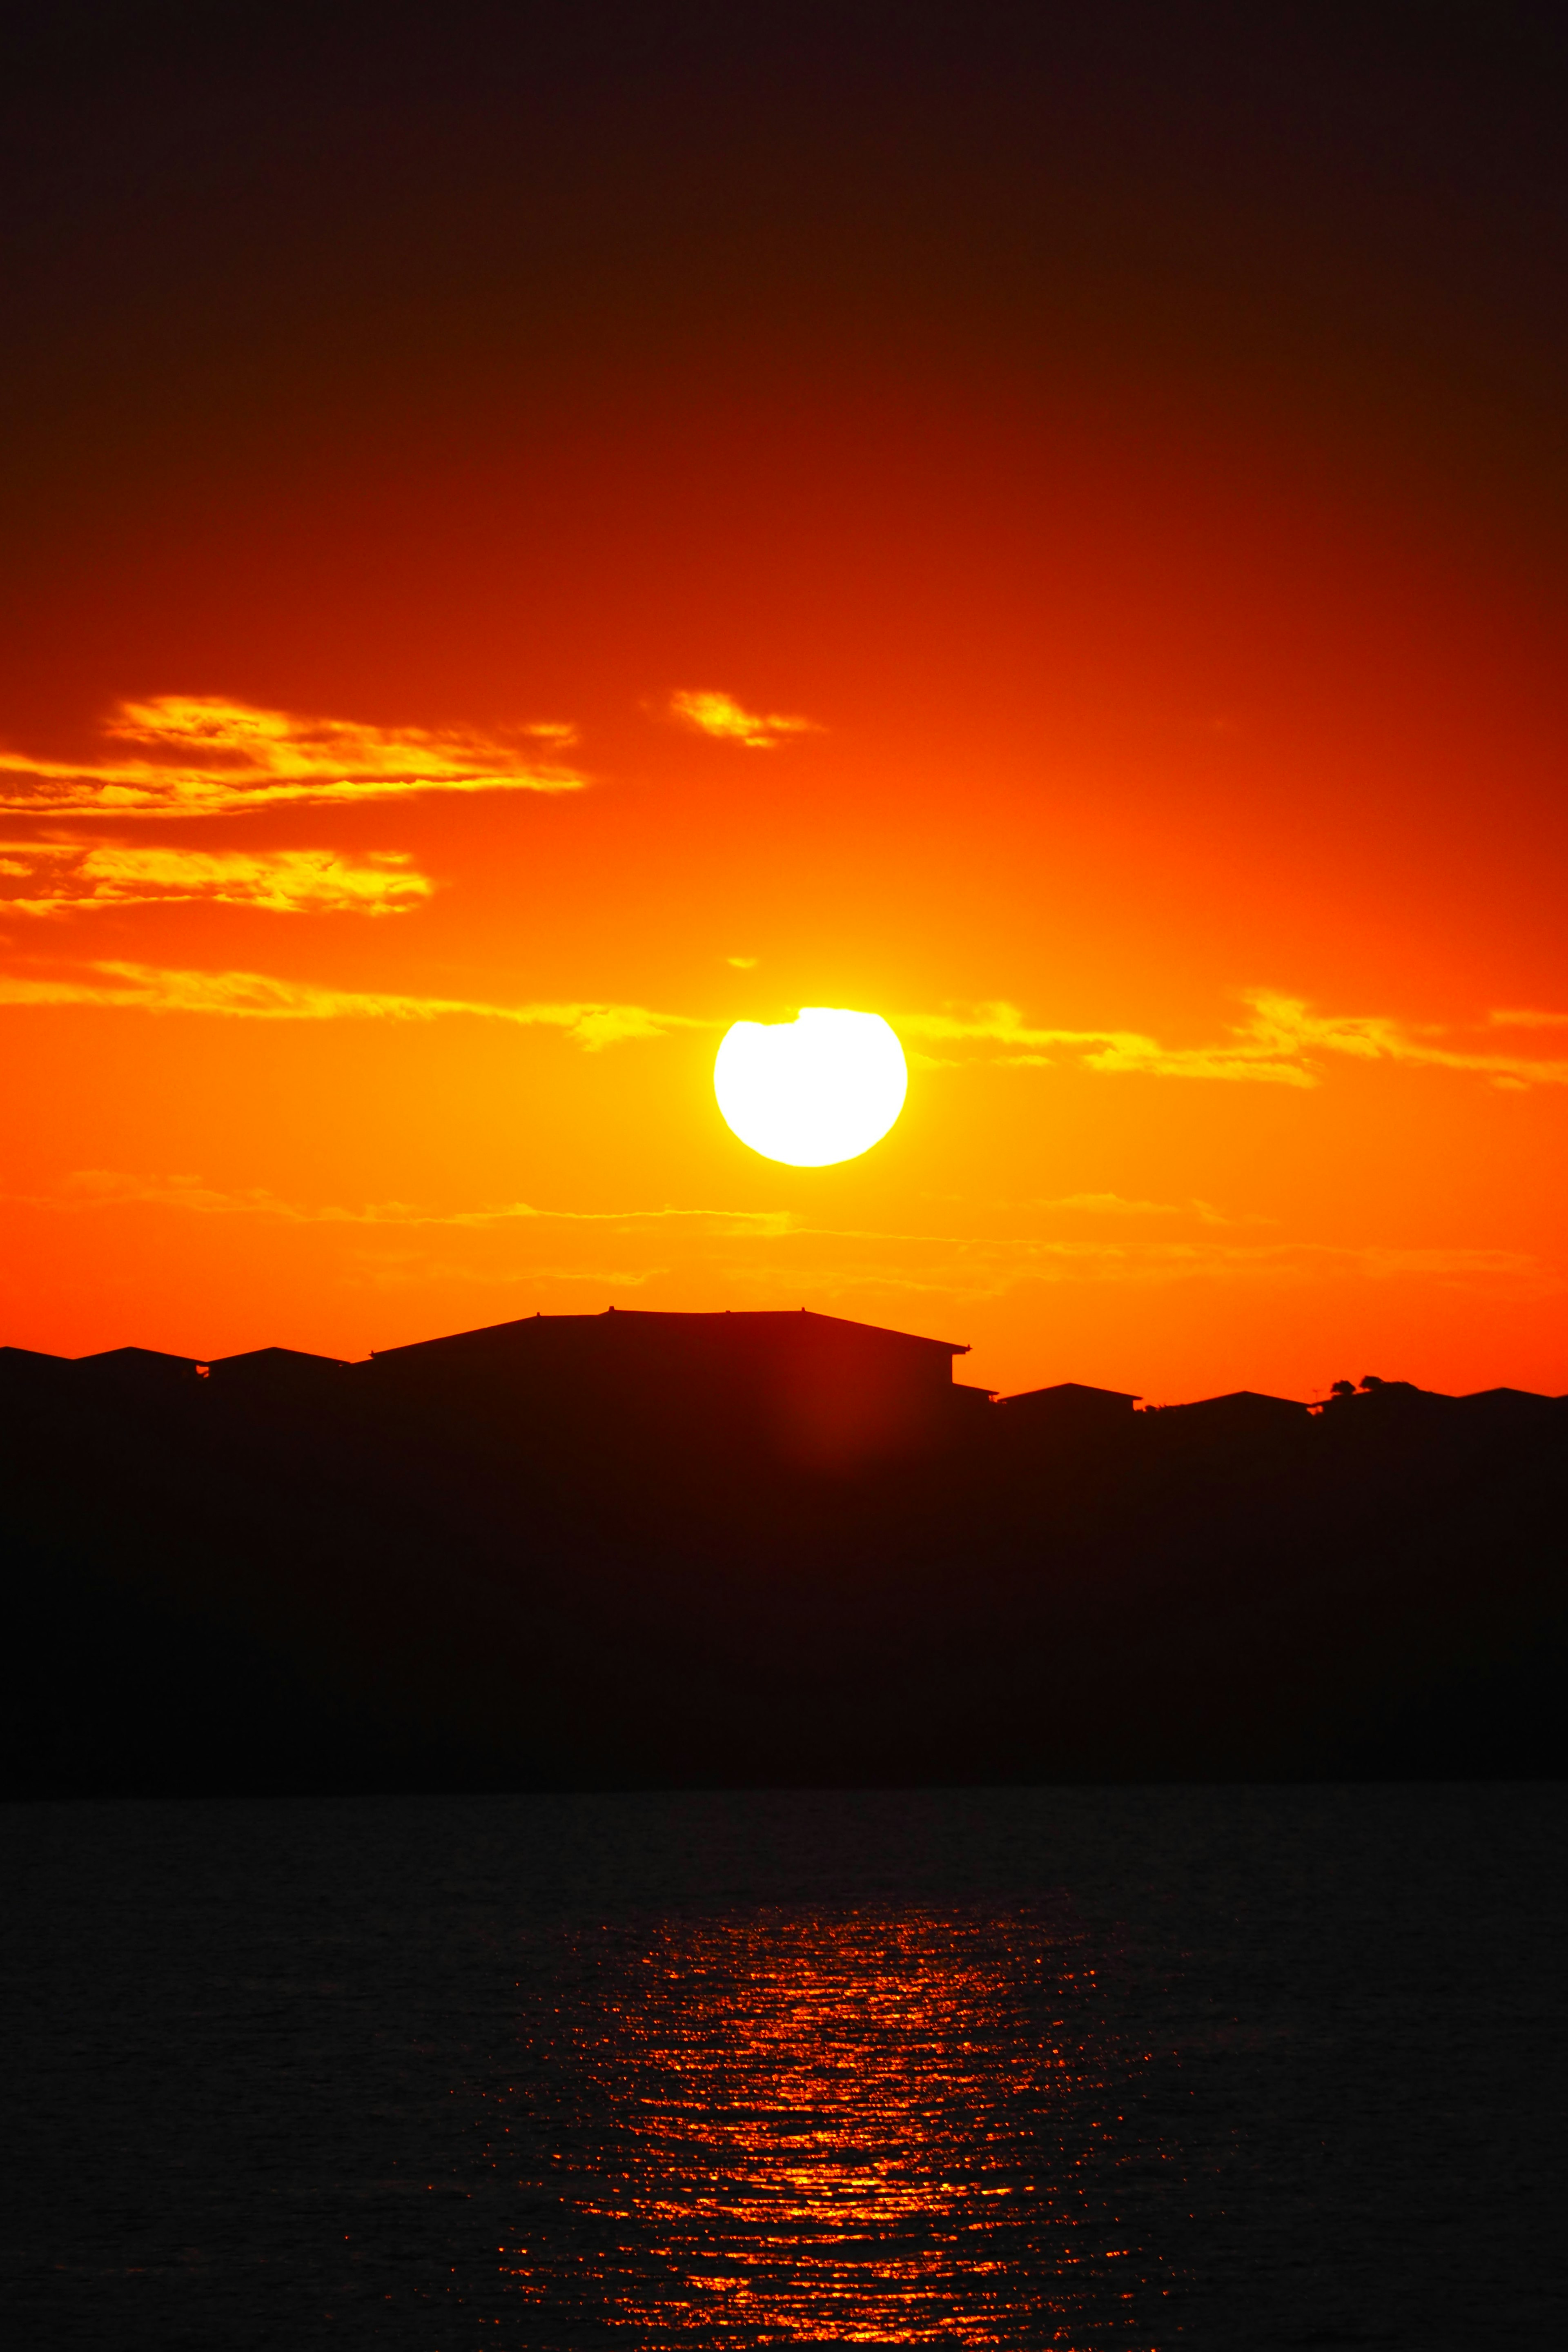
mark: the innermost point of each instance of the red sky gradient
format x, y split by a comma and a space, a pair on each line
1184, 778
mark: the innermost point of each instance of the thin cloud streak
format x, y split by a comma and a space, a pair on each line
1115, 1052
1114, 1204
1282, 1043
63, 878
204, 755
970, 1270
257, 996
719, 715
965, 1264
100, 1188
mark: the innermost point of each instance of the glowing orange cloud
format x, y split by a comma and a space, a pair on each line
719, 715
1275, 1048
73, 876
90, 1188
967, 1267
204, 756
256, 996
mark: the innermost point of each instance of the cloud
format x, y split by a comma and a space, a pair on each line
96, 1188
719, 715
977, 1265
966, 1269
1286, 1022
792, 1259
1117, 1051
1114, 1204
68, 876
257, 996
1283, 1043
203, 755
421, 1271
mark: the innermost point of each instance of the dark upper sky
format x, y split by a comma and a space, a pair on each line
236, 224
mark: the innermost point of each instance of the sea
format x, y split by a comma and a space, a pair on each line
1070, 2067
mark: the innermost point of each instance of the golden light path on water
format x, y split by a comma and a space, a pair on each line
795, 2130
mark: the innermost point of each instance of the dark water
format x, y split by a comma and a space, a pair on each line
1134, 2068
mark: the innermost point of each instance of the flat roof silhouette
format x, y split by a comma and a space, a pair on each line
821, 1387
1071, 1396
137, 1365
742, 1327
269, 1366
1239, 1404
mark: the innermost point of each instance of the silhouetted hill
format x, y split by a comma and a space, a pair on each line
632, 1549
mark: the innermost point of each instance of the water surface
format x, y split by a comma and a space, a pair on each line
1027, 2068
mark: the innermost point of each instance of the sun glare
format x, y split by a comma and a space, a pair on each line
823, 1087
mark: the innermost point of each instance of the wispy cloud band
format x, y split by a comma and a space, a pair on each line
58, 877
90, 1188
1282, 1042
204, 755
259, 996
796, 1256
721, 716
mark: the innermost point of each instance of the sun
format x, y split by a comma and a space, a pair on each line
823, 1087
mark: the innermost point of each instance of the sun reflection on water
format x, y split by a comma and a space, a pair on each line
852, 2130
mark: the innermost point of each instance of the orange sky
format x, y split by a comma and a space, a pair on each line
1182, 779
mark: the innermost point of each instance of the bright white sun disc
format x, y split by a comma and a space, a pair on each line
822, 1088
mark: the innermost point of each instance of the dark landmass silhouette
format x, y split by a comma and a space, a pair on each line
642, 1550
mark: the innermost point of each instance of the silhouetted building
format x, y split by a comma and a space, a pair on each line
274, 1372
1244, 1410
138, 1367
642, 1550
24, 1360
973, 1402
1385, 1401
1518, 1405
1069, 1407
820, 1387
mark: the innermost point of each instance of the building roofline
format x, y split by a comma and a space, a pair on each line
773, 1316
